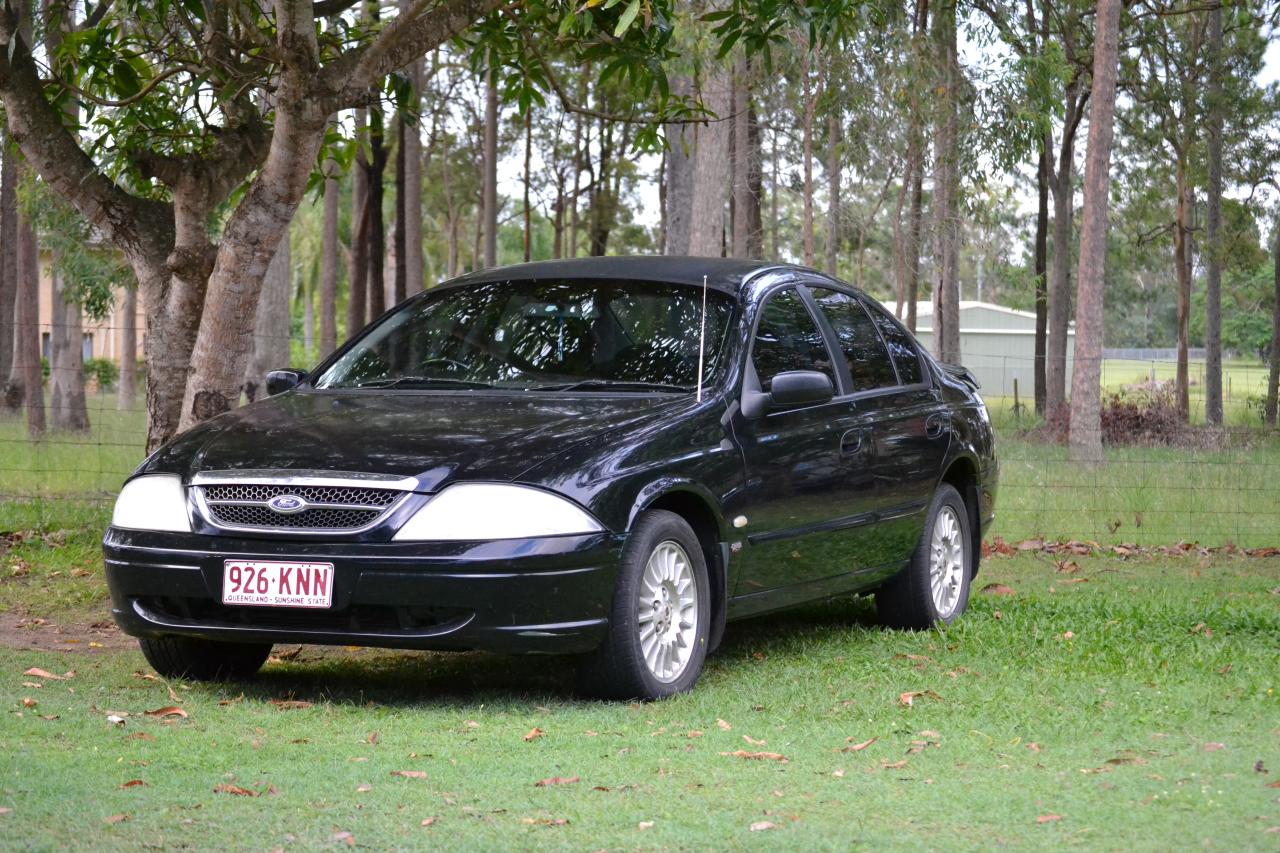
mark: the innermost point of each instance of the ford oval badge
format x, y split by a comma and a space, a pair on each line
287, 504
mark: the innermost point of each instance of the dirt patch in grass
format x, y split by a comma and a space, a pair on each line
88, 633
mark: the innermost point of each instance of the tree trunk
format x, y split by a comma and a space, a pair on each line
127, 388
1273, 375
1059, 310
773, 196
329, 262
306, 293
490, 188
834, 177
1213, 266
1041, 273
528, 179
271, 324
8, 254
377, 225
746, 167
67, 406
68, 409
414, 261
1086, 379
915, 234
806, 155
681, 139
399, 277
1182, 260
946, 292
711, 167
358, 274
26, 356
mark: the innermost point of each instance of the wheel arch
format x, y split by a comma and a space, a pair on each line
697, 506
962, 474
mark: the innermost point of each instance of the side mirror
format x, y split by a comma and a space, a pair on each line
800, 388
279, 381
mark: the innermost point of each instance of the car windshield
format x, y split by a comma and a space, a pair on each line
542, 336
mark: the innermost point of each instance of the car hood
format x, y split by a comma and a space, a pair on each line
435, 438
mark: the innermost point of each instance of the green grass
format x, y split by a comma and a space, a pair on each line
1140, 728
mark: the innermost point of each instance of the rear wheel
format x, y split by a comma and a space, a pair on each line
203, 660
934, 588
660, 617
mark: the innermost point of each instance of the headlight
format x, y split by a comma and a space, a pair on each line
152, 502
475, 511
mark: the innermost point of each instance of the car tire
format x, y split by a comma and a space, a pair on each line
203, 660
651, 650
934, 587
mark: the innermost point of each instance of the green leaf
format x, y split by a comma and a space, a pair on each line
627, 19
125, 78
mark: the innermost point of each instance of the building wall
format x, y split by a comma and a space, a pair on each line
101, 337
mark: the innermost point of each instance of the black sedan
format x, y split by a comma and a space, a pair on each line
606, 457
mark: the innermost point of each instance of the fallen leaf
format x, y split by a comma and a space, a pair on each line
1034, 747
723, 725
346, 838
1068, 635
290, 704
533, 734
133, 783
5, 810
37, 672
363, 789
897, 765
115, 719
1201, 628
371, 738
236, 790
1224, 670
998, 589
139, 735
858, 747
644, 824
545, 821
1048, 818
1067, 567
557, 780
753, 741
693, 734
28, 702
117, 818
171, 711
410, 774
427, 821
909, 697
839, 774
1212, 747
757, 756
1275, 784
762, 825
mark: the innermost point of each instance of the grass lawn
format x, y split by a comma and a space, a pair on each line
1126, 704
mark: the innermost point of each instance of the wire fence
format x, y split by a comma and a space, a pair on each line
1216, 487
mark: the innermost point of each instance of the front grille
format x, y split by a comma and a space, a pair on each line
327, 507
241, 515
262, 492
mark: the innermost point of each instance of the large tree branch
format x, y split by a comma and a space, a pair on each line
425, 26
140, 227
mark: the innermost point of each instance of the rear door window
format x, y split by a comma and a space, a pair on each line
903, 348
860, 343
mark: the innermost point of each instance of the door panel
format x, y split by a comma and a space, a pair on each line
809, 485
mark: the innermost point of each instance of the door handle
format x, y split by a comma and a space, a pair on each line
937, 424
853, 441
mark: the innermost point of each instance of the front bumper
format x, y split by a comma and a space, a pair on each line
549, 594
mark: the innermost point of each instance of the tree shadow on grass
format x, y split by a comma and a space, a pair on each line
468, 680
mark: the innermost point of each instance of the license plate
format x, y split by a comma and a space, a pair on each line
260, 583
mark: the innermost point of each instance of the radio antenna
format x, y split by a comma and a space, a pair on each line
702, 336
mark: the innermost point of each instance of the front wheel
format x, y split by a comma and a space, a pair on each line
934, 588
203, 660
660, 617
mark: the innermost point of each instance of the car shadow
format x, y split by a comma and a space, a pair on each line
467, 680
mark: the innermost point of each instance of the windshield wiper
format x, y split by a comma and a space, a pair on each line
614, 384
423, 382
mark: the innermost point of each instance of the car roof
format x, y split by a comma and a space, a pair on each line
724, 274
